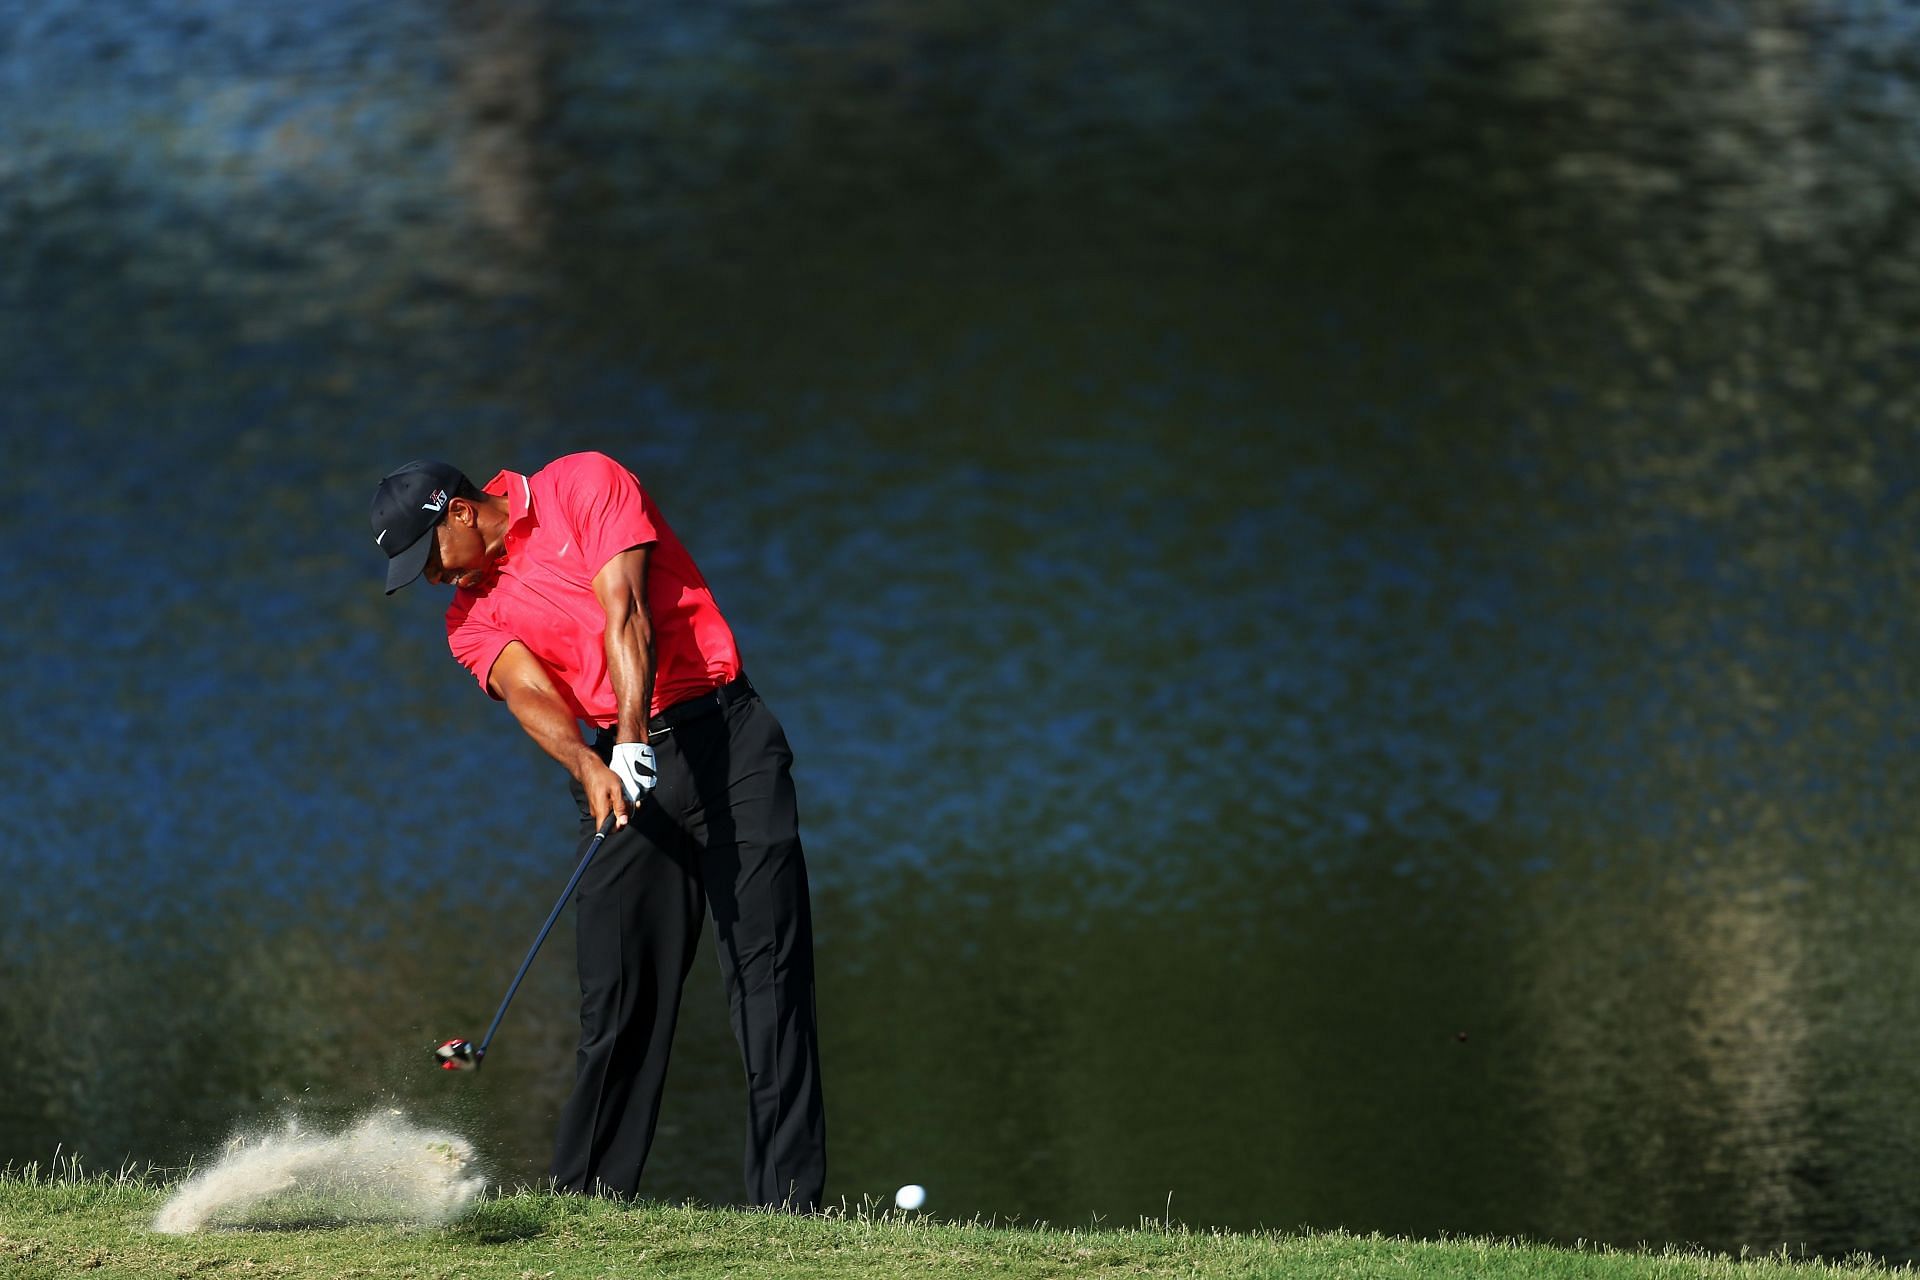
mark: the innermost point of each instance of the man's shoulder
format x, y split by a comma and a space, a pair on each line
582, 473
588, 466
581, 488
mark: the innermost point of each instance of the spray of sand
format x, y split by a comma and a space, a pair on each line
379, 1169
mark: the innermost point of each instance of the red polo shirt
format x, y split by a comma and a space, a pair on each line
564, 522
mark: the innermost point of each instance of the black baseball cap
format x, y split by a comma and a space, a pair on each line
406, 507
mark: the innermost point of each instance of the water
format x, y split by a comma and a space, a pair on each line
1340, 582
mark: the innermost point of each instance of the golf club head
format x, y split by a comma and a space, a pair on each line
457, 1055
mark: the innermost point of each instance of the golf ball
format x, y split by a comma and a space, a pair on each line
910, 1197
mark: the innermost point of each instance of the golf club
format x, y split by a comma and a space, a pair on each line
462, 1055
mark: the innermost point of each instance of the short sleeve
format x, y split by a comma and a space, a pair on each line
475, 642
603, 504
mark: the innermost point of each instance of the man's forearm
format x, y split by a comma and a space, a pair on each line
548, 722
621, 589
629, 642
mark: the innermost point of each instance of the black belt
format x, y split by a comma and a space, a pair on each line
718, 699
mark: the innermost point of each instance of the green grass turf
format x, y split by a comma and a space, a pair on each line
97, 1226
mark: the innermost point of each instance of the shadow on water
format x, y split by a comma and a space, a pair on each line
1280, 536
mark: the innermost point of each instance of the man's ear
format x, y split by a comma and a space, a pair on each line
460, 509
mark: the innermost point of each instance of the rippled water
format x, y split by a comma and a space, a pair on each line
1341, 583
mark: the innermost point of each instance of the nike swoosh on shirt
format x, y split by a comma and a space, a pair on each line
563, 547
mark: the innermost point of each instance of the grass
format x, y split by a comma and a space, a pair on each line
69, 1224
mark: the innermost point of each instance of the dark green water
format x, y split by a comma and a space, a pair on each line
1341, 580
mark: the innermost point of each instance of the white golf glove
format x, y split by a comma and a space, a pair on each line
634, 764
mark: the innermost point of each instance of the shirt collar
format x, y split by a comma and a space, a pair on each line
514, 487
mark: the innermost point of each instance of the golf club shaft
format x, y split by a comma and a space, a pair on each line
593, 847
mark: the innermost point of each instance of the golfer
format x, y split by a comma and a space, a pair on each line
574, 602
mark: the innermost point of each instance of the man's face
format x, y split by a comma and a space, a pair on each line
459, 555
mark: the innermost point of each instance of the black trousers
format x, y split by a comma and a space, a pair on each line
719, 834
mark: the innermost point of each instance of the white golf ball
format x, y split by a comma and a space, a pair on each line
910, 1197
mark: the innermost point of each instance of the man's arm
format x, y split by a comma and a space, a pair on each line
522, 681
621, 587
